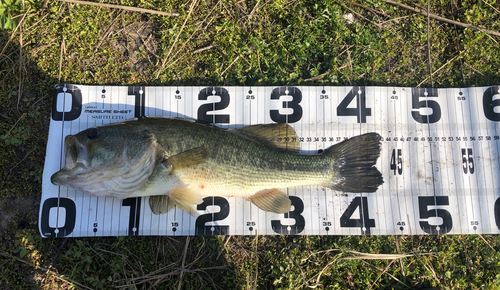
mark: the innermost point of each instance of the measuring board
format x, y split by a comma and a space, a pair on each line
439, 160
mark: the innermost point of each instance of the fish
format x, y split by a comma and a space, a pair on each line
179, 161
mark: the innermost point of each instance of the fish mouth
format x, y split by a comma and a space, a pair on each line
76, 160
65, 176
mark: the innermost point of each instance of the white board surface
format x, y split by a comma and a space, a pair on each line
439, 160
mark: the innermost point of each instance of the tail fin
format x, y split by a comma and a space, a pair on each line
354, 164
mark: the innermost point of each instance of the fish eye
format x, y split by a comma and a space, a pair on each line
92, 133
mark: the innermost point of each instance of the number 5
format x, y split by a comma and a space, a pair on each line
425, 213
416, 94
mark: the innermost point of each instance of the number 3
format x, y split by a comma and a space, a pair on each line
296, 95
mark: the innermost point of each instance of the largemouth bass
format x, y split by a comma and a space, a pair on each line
179, 161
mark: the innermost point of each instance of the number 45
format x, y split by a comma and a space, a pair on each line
396, 162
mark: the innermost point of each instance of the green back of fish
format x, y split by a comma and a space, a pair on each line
241, 158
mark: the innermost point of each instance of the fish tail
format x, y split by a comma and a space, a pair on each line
353, 163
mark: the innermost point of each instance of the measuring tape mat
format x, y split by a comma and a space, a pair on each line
439, 160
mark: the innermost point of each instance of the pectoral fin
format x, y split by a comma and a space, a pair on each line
160, 204
186, 199
187, 159
272, 200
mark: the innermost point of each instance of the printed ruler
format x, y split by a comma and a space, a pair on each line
439, 160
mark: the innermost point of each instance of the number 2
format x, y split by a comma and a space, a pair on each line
201, 228
205, 108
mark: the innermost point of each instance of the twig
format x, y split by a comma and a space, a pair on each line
3, 116
429, 42
223, 248
171, 61
358, 14
52, 262
433, 16
61, 59
253, 10
431, 269
106, 33
474, 69
367, 256
25, 156
437, 70
256, 260
382, 273
492, 7
396, 279
230, 65
481, 236
318, 77
399, 252
134, 9
205, 48
65, 279
193, 4
319, 275
371, 9
12, 128
459, 50
20, 87
179, 286
13, 34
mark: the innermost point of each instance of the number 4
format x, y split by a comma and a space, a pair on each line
364, 222
361, 111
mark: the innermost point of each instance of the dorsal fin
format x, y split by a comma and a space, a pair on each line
278, 135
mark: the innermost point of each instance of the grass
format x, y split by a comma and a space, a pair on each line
228, 43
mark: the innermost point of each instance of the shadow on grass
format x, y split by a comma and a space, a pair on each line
29, 261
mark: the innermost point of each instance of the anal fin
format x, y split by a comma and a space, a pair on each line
272, 200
